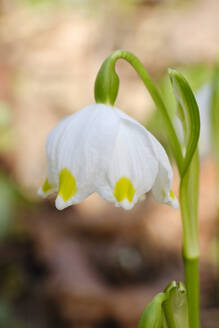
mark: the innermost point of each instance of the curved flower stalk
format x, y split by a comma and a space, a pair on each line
101, 149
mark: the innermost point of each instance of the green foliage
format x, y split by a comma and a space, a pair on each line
152, 316
197, 75
176, 306
189, 172
188, 113
167, 309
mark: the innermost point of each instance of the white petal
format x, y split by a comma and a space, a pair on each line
132, 161
162, 185
51, 150
42, 193
81, 145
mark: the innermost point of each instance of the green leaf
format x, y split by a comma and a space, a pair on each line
197, 75
188, 114
167, 309
176, 305
189, 190
152, 317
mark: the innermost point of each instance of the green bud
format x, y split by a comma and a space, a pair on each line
176, 307
152, 316
107, 83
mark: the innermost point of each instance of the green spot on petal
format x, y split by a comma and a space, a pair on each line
124, 189
67, 184
46, 186
171, 194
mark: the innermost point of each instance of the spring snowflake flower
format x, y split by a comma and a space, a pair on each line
101, 149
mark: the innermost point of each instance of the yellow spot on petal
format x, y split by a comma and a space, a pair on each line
124, 189
67, 184
46, 186
171, 194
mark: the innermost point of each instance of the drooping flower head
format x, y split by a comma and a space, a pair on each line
101, 149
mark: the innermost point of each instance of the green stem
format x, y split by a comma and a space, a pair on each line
146, 79
189, 208
189, 202
192, 285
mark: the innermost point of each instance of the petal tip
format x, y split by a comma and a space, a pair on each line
125, 204
46, 189
60, 203
41, 193
172, 200
175, 204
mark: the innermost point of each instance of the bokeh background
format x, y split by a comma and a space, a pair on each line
93, 265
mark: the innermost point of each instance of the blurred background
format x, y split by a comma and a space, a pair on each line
93, 265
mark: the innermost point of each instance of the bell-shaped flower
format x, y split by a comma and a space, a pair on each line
101, 149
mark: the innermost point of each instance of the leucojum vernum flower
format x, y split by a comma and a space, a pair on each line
101, 149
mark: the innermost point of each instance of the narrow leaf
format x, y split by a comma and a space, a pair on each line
189, 115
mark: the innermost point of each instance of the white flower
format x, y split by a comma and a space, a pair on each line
101, 149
